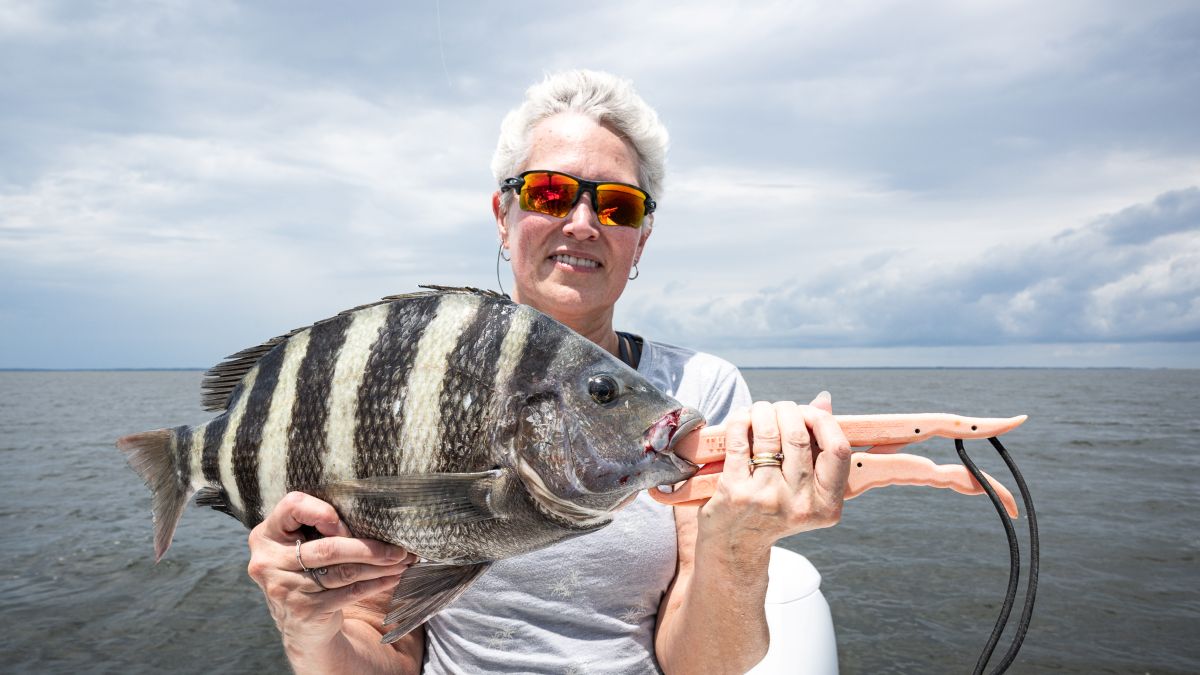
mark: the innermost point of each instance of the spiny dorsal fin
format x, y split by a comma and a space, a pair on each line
220, 380
467, 289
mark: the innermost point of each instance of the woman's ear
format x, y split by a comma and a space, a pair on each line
498, 212
643, 235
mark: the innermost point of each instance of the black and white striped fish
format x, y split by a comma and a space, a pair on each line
454, 423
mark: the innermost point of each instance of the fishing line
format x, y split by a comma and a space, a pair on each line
1014, 559
442, 50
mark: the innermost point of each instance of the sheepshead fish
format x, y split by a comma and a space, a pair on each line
455, 423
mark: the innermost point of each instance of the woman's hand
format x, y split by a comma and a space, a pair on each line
757, 508
308, 606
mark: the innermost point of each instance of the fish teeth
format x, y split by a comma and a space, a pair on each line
577, 262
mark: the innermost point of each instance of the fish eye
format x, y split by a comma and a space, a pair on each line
603, 389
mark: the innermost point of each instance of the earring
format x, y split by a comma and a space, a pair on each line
505, 258
499, 257
635, 272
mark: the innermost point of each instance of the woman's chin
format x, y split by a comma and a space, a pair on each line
570, 295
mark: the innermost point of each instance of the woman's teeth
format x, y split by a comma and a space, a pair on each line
576, 262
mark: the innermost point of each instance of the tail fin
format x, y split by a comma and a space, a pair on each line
150, 454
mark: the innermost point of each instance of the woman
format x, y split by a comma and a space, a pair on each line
678, 589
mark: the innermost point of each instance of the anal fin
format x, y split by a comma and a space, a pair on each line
424, 590
215, 499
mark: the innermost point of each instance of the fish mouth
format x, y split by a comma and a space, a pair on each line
661, 437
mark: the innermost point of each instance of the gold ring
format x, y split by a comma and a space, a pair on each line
765, 459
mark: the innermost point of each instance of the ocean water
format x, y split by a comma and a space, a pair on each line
914, 576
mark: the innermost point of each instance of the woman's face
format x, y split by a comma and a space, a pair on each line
573, 267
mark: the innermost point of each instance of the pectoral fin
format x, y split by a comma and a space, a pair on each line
424, 590
440, 497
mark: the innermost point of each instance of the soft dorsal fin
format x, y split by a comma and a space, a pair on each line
220, 380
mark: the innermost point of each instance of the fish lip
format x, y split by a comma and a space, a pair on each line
661, 437
688, 426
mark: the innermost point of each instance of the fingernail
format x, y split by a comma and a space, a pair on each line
396, 554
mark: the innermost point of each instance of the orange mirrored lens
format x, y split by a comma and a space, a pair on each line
620, 205
549, 193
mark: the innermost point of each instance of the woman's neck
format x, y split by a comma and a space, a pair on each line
596, 327
601, 334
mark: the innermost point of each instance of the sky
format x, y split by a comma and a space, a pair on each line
853, 183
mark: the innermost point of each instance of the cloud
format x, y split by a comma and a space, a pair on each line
1098, 283
848, 172
1171, 212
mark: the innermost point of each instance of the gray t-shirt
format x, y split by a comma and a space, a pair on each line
589, 604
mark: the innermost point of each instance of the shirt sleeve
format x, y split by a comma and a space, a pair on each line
729, 393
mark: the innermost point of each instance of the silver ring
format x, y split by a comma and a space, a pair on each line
316, 576
298, 558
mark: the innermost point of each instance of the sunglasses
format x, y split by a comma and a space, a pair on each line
555, 194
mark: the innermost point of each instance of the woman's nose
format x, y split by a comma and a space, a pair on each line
581, 222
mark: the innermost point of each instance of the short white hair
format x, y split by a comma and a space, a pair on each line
605, 98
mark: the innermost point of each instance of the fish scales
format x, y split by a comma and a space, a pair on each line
181, 445
225, 469
348, 373
214, 431
398, 414
249, 436
543, 348
446, 439
307, 434
195, 471
384, 390
455, 423
512, 347
419, 440
276, 440
470, 387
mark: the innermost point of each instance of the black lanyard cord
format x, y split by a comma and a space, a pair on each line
1014, 559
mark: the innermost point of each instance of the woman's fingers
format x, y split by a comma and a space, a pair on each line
737, 443
307, 584
831, 468
350, 561
766, 428
288, 568
343, 550
342, 597
767, 442
297, 510
824, 401
797, 446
